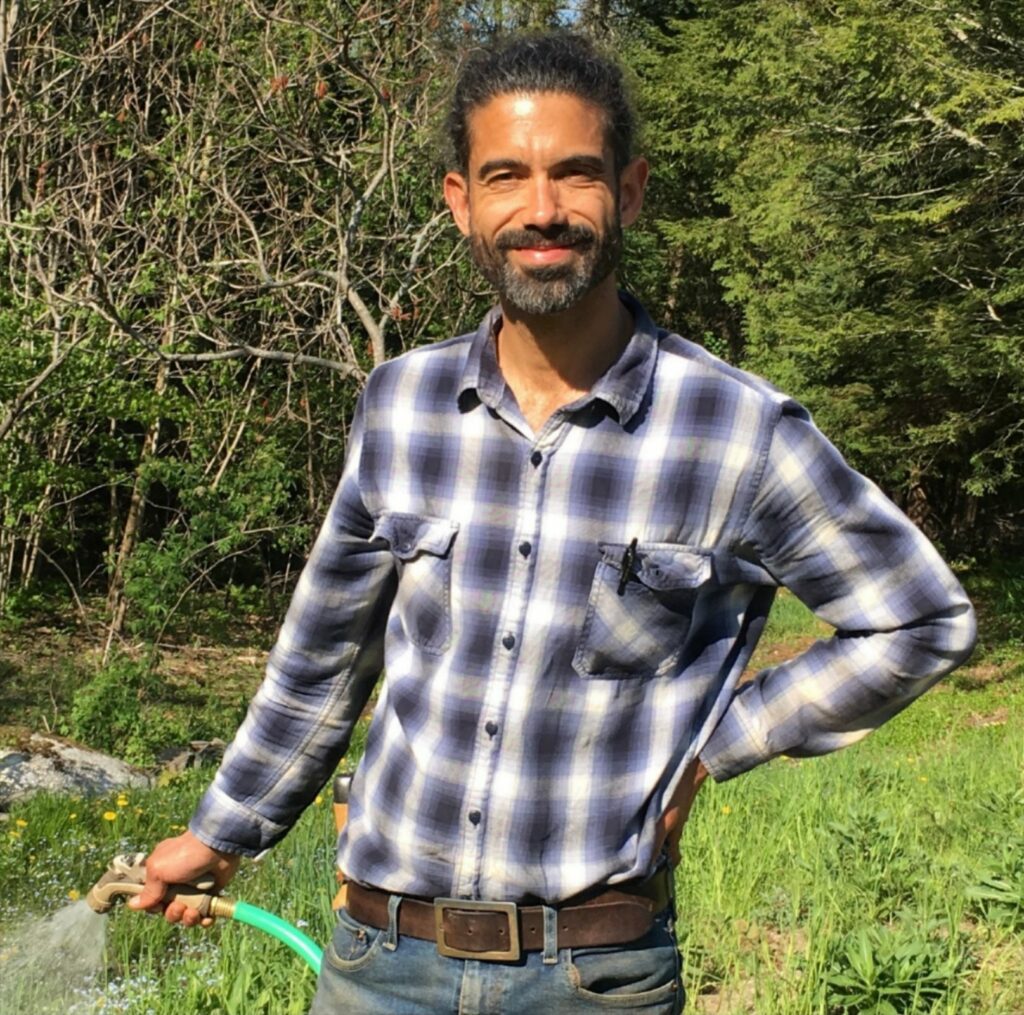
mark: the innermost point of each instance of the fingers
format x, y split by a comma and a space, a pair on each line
177, 912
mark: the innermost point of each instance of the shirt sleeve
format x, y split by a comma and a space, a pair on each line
319, 676
901, 619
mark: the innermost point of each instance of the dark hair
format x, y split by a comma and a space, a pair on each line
554, 61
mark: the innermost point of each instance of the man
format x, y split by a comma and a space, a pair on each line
559, 537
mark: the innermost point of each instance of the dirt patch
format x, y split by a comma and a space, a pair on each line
977, 720
738, 995
772, 653
734, 998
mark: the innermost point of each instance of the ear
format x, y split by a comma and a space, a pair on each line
456, 193
632, 183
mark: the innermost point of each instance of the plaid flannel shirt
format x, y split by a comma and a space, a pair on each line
547, 681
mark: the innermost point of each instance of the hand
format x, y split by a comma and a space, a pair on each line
182, 860
672, 822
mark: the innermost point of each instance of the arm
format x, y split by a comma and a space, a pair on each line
319, 676
901, 619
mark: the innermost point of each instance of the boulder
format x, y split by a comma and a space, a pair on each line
198, 754
52, 764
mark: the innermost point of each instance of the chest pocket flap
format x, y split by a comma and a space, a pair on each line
422, 546
412, 535
665, 569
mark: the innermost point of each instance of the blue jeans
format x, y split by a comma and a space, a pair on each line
367, 971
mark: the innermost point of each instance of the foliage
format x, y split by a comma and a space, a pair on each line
888, 972
214, 222
995, 882
115, 712
769, 923
210, 235
837, 188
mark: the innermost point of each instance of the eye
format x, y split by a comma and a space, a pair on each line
582, 173
502, 179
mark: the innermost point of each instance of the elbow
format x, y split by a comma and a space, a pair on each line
953, 637
965, 633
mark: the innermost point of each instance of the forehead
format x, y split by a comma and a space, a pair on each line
528, 126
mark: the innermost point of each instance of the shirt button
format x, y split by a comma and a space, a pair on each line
524, 549
492, 727
474, 817
536, 458
508, 641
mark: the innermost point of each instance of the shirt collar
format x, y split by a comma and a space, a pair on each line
622, 386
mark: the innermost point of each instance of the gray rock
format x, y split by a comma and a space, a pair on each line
198, 754
55, 765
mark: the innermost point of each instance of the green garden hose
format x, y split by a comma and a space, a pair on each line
127, 874
299, 943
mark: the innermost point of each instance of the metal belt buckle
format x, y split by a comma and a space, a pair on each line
509, 954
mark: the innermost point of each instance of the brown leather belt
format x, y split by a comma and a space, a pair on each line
502, 931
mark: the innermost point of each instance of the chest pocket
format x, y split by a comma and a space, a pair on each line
423, 602
638, 627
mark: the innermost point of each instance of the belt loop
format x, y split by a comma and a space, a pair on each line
550, 935
391, 937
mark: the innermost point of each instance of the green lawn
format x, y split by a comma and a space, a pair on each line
887, 878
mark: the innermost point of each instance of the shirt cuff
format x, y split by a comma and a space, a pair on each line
738, 743
227, 825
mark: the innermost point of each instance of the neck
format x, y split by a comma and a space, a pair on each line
567, 352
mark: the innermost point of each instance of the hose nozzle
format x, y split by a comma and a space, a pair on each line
126, 876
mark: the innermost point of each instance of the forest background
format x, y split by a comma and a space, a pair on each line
216, 218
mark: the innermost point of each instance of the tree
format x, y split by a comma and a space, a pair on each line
839, 202
217, 219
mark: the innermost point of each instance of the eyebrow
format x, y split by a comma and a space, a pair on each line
594, 163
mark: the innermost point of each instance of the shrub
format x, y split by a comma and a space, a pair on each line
114, 712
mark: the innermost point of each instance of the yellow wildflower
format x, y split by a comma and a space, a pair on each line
109, 815
319, 799
72, 816
21, 823
74, 895
726, 809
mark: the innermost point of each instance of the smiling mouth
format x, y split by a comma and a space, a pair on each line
531, 241
545, 246
549, 253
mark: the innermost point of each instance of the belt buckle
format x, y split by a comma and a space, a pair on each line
509, 954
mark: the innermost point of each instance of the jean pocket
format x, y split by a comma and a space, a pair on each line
644, 974
422, 548
353, 944
636, 623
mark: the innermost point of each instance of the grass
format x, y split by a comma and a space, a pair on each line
806, 886
886, 879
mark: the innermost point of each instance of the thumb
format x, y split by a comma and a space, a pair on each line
152, 895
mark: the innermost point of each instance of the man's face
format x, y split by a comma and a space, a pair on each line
541, 202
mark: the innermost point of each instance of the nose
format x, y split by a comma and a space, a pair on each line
544, 205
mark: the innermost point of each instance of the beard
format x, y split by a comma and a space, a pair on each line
549, 289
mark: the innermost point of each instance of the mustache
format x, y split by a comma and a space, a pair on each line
555, 236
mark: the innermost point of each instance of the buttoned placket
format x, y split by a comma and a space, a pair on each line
470, 876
